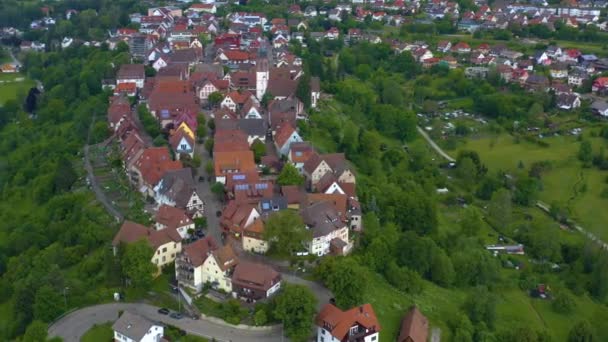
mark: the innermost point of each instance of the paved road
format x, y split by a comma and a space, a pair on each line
212, 204
71, 327
434, 145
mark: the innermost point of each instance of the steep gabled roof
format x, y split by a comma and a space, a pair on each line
198, 251
339, 322
172, 217
154, 162
283, 134
414, 327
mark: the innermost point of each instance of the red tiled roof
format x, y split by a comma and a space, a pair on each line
414, 327
172, 217
230, 140
154, 162
198, 251
339, 322
235, 161
236, 55
256, 276
283, 134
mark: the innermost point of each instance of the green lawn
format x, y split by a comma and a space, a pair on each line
562, 183
11, 89
99, 333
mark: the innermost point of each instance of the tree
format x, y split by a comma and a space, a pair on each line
36, 332
266, 98
259, 150
209, 146
209, 167
48, 304
581, 332
290, 176
404, 279
500, 209
585, 153
295, 306
475, 267
467, 172
442, 270
480, 306
65, 176
215, 98
348, 282
303, 90
218, 189
286, 232
471, 221
260, 318
564, 303
136, 263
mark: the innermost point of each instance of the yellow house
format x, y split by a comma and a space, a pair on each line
218, 267
186, 129
166, 243
253, 238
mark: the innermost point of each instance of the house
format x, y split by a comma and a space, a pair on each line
568, 101
131, 73
232, 162
537, 82
131, 327
318, 165
151, 166
284, 137
236, 100
310, 11
178, 189
444, 46
254, 128
281, 88
203, 8
8, 68
600, 107
357, 324
253, 238
328, 227
251, 110
542, 58
182, 141
558, 70
299, 152
237, 216
253, 281
218, 268
166, 243
576, 78
168, 217
461, 47
189, 264
414, 327
600, 85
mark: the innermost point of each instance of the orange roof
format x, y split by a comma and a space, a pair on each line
230, 140
240, 97
172, 86
236, 55
337, 200
154, 162
235, 161
414, 327
339, 322
127, 87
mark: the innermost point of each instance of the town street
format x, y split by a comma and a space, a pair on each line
203, 189
71, 327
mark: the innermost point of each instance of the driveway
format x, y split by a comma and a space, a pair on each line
71, 327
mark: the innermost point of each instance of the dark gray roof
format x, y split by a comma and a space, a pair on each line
178, 185
599, 105
133, 326
253, 127
276, 203
322, 218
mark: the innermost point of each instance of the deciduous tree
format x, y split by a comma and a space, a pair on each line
290, 176
136, 262
286, 232
295, 306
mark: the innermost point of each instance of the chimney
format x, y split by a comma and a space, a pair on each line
361, 309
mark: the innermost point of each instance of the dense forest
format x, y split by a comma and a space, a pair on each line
54, 236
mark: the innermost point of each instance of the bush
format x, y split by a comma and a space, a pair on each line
564, 303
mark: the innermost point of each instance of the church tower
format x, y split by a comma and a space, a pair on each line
262, 75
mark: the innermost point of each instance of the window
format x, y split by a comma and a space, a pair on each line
353, 330
165, 250
164, 258
374, 337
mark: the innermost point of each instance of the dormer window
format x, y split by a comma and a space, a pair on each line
353, 330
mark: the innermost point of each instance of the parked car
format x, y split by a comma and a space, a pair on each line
200, 233
176, 315
163, 311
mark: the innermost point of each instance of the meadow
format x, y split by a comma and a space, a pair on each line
13, 86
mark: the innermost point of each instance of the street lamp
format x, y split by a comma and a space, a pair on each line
65, 296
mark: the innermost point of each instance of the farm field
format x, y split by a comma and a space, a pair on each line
566, 182
13, 86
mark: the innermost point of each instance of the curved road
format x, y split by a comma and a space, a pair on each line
72, 326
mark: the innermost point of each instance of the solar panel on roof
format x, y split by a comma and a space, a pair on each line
238, 177
265, 206
261, 186
242, 187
